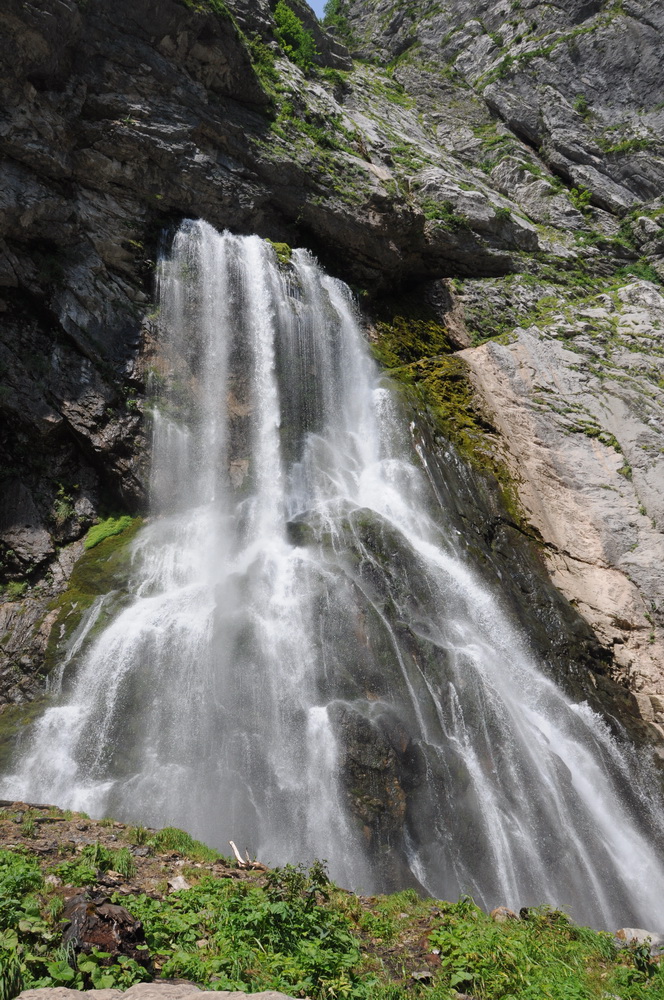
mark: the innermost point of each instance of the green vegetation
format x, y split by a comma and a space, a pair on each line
292, 930
639, 269
443, 211
105, 529
14, 589
580, 198
102, 568
63, 506
298, 43
208, 7
283, 251
93, 859
262, 60
173, 839
416, 352
623, 146
581, 105
335, 17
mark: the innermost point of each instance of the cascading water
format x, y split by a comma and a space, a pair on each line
307, 665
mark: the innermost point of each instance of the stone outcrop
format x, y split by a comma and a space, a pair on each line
146, 991
577, 397
580, 82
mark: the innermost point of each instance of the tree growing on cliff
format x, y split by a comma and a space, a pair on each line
298, 43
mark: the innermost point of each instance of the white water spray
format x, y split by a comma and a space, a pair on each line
307, 665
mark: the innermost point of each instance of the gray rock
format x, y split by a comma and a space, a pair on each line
146, 991
627, 936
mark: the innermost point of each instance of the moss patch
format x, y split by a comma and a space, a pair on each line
414, 349
283, 251
105, 529
13, 721
100, 570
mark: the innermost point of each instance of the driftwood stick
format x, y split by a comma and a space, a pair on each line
238, 856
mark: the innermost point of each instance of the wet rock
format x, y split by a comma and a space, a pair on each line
586, 449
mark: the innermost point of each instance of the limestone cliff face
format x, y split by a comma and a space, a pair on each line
580, 81
512, 150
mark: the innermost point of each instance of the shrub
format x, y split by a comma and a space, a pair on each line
15, 589
581, 105
298, 43
580, 198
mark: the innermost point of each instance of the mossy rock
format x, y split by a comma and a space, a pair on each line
14, 720
283, 251
414, 349
407, 330
101, 569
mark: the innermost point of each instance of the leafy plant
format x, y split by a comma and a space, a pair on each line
335, 16
63, 506
11, 978
93, 859
15, 589
580, 198
581, 105
443, 211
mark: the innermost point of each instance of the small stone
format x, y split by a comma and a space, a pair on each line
502, 914
177, 883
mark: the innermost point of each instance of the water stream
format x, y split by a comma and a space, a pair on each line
307, 664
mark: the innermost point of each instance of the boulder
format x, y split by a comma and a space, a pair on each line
98, 923
627, 936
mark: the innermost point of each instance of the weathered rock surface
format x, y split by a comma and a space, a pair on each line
146, 991
581, 82
578, 400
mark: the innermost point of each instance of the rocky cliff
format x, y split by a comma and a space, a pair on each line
486, 175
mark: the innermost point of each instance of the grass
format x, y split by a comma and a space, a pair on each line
93, 859
292, 930
173, 839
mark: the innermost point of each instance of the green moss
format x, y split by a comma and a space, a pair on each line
105, 529
413, 347
404, 339
14, 719
100, 570
283, 251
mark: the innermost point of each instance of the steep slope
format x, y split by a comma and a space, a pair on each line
571, 374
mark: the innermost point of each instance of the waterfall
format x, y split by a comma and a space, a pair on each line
308, 664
